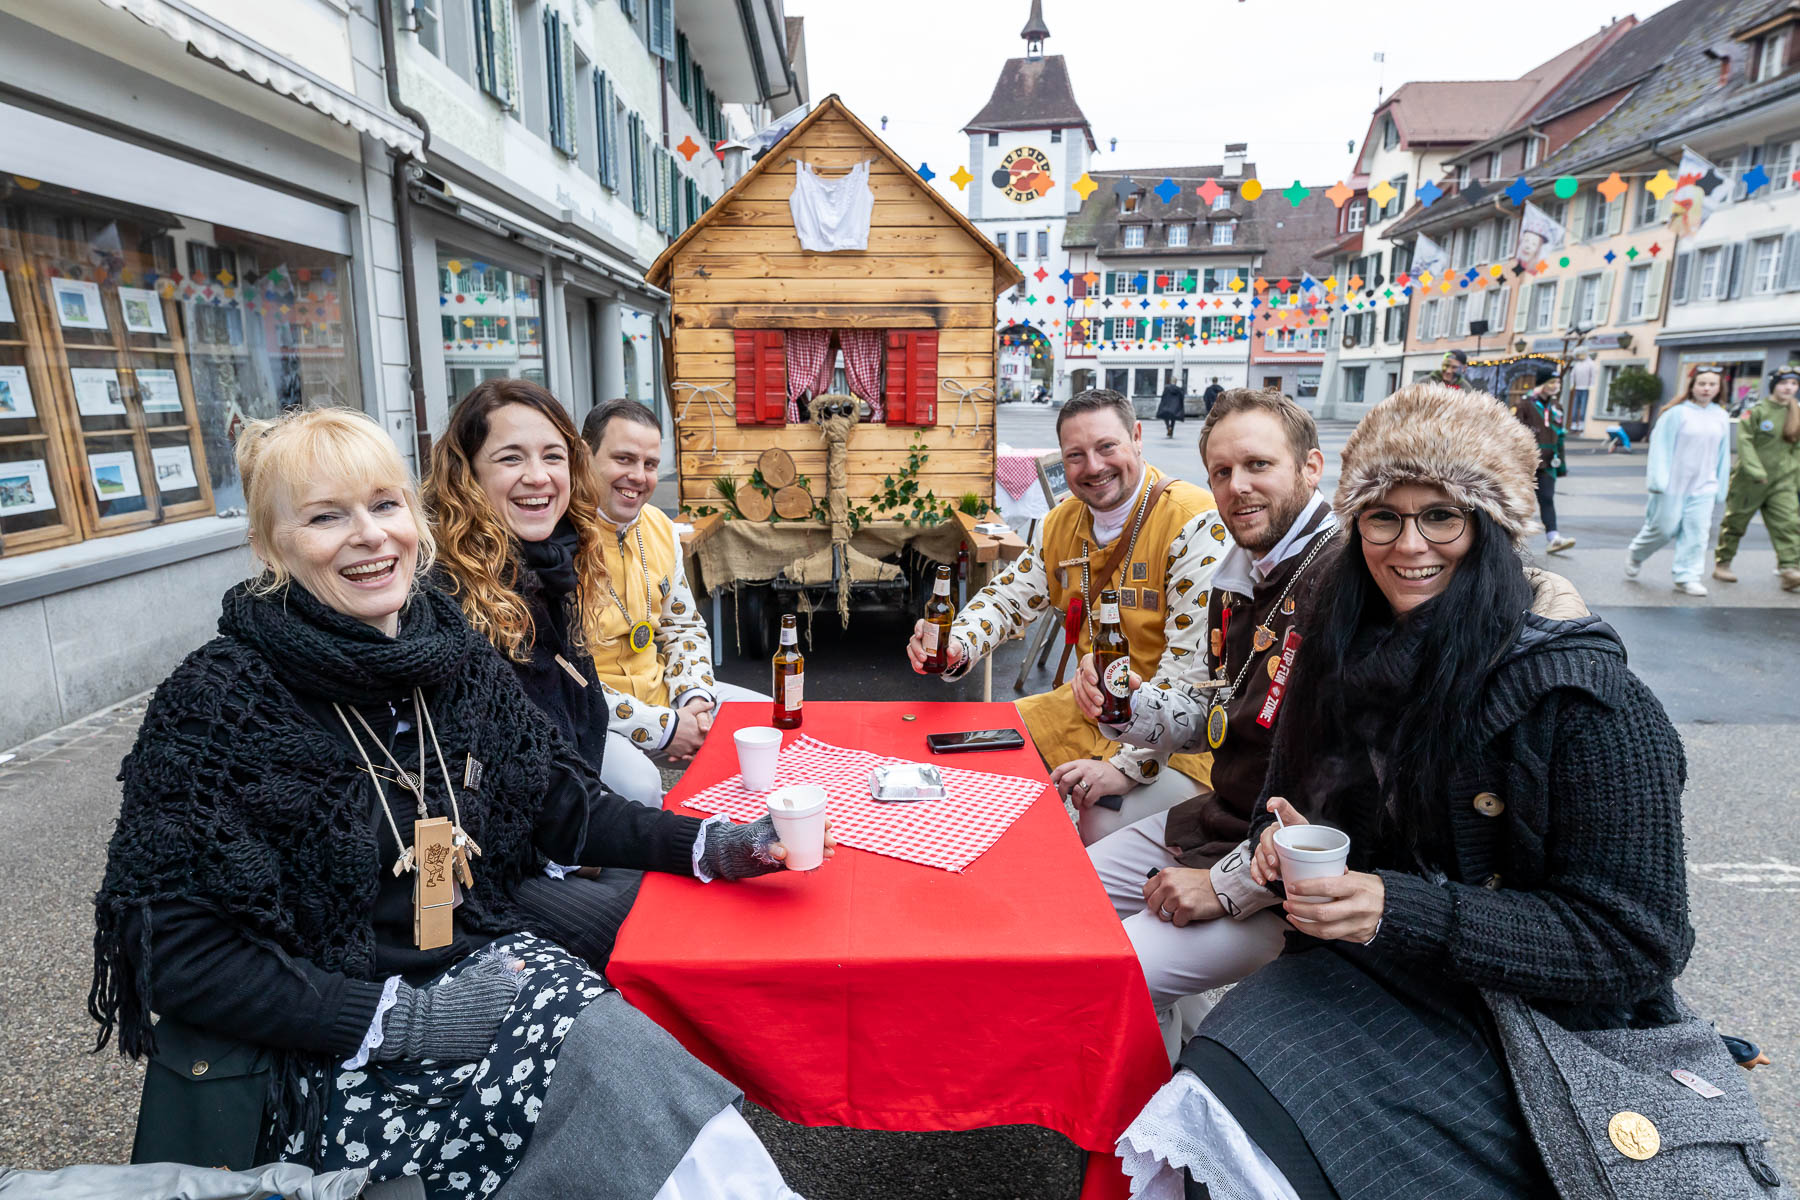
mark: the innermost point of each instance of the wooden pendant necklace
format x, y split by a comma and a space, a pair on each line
440, 849
1217, 722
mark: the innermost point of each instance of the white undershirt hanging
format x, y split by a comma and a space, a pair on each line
832, 214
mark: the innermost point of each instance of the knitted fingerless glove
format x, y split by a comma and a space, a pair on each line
454, 1020
740, 851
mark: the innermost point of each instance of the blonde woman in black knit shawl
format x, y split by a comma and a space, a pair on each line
1512, 794
256, 931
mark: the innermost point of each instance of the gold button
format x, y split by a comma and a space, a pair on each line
1634, 1136
1492, 882
200, 1067
1488, 804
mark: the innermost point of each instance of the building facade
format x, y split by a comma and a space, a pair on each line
197, 231
1287, 351
1028, 143
1169, 276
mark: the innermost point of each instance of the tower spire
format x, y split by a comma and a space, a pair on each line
1035, 31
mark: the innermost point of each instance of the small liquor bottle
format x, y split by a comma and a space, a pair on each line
939, 613
1112, 661
790, 677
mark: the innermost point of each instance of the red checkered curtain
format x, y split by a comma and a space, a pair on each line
808, 366
862, 366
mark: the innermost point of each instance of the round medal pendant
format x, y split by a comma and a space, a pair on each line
1215, 726
641, 636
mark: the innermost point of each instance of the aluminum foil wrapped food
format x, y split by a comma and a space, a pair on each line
906, 781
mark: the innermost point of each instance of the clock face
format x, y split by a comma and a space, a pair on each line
1024, 175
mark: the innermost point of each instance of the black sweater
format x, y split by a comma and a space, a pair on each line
1566, 878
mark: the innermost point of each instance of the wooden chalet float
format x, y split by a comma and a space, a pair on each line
748, 303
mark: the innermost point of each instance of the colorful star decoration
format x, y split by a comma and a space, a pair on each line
1296, 194
1612, 187
1518, 190
1566, 186
1040, 274
1429, 193
1661, 185
688, 148
926, 173
1083, 187
1383, 193
962, 178
1250, 189
1166, 191
1209, 191
1754, 179
1337, 193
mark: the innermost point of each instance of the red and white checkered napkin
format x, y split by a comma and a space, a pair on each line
950, 833
1017, 473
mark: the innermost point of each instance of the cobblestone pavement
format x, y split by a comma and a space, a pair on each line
1723, 666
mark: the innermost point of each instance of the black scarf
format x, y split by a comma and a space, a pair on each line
237, 800
550, 564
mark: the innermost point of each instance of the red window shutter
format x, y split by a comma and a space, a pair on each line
922, 370
771, 373
899, 410
1078, 287
743, 344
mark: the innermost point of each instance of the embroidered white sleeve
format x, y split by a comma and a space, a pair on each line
682, 640
1193, 558
637, 720
700, 846
1171, 717
1004, 608
390, 991
1240, 895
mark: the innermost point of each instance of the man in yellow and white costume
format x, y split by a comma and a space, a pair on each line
1162, 583
660, 694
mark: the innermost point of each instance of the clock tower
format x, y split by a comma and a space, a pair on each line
1026, 146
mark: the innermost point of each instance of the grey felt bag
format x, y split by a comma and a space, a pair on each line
1613, 1123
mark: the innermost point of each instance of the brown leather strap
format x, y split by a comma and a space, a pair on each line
1097, 579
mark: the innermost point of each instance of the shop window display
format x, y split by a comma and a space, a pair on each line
133, 344
492, 318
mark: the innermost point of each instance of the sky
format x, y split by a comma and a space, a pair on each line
1174, 80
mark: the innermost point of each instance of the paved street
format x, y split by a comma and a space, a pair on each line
1723, 666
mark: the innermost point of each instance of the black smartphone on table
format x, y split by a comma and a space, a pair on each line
971, 740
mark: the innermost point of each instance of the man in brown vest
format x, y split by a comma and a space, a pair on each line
1197, 922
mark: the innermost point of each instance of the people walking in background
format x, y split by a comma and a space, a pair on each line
1174, 405
1767, 473
1212, 393
1539, 412
1450, 374
1689, 466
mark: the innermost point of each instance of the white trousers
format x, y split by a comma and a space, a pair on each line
1685, 520
726, 1162
632, 772
1168, 789
1185, 961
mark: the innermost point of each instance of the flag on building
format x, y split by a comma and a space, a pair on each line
1690, 204
1429, 258
1539, 233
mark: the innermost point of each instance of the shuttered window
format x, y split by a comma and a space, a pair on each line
912, 377
494, 69
559, 82
761, 378
662, 29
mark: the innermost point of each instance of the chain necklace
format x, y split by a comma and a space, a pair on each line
1137, 525
641, 631
1264, 637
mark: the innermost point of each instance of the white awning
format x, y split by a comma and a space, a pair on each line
213, 39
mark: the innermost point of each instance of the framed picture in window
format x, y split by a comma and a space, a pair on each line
97, 391
25, 488
143, 311
6, 311
174, 468
78, 304
15, 395
114, 476
159, 391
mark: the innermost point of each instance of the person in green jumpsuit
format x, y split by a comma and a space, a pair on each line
1766, 478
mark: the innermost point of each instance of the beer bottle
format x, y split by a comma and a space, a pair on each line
939, 613
1112, 662
790, 677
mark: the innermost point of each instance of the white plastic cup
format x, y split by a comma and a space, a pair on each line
1311, 852
759, 753
799, 815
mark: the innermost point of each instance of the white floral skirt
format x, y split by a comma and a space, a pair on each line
462, 1127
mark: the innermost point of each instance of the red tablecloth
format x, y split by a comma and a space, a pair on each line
880, 994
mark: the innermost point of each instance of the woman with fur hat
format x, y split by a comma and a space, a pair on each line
1512, 797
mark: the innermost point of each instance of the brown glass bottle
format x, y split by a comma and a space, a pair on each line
790, 677
1112, 662
940, 611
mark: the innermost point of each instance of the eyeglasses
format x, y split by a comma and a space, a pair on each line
1438, 524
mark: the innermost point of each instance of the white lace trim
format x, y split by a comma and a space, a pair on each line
700, 846
556, 870
1186, 1126
371, 1042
